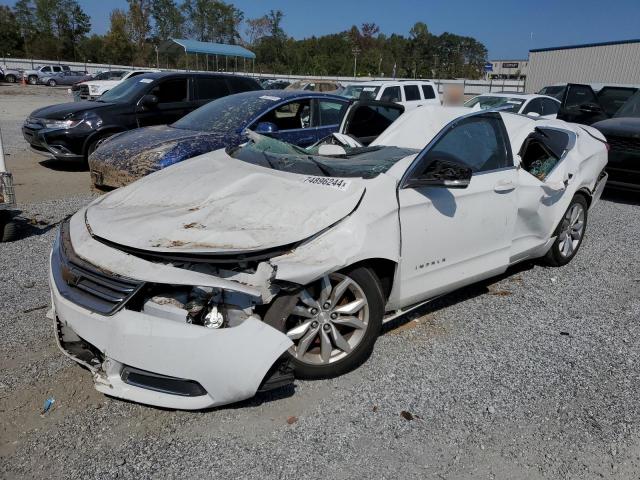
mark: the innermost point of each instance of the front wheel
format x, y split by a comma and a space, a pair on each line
335, 323
10, 78
569, 233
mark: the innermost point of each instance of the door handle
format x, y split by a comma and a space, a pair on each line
306, 139
504, 186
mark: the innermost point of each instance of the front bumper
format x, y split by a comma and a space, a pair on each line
59, 144
149, 359
229, 364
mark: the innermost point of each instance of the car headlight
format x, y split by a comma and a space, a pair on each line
93, 88
62, 123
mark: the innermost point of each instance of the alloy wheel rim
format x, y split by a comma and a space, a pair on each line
571, 234
329, 320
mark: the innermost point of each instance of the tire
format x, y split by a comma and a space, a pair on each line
321, 329
52, 83
32, 79
569, 233
10, 78
93, 146
8, 228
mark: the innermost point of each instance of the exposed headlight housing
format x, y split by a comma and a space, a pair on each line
61, 124
205, 306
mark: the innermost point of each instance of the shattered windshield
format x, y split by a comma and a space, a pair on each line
510, 104
363, 162
631, 108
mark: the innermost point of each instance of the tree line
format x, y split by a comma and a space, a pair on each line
61, 30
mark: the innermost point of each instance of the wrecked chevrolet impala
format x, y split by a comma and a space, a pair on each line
231, 272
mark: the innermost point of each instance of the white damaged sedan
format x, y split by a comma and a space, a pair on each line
230, 273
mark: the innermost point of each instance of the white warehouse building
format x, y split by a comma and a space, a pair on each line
609, 62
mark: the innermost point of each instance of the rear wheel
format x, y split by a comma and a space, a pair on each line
569, 233
32, 79
335, 323
52, 83
10, 78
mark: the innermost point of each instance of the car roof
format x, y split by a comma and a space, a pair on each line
275, 95
524, 96
381, 83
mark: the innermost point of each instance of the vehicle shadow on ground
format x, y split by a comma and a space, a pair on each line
64, 165
30, 227
621, 196
457, 296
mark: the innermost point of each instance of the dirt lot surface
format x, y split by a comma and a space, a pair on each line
36, 177
531, 375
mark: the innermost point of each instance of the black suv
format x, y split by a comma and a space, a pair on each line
74, 130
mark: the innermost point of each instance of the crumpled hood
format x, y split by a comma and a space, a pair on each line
216, 204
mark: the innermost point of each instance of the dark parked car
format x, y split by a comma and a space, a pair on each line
297, 117
618, 121
74, 130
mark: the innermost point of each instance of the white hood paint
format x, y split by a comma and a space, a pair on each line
216, 204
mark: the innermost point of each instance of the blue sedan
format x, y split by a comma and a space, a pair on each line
297, 117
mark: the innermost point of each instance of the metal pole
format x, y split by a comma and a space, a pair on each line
207, 57
226, 63
3, 165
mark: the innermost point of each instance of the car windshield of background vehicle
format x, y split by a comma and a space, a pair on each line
507, 103
226, 113
631, 108
361, 92
126, 91
361, 162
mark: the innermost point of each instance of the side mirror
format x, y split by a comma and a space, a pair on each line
442, 173
149, 101
590, 108
266, 128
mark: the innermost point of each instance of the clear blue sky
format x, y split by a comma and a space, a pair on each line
505, 27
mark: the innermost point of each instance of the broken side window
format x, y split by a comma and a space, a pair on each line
542, 150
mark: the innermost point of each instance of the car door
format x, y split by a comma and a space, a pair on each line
365, 120
412, 97
173, 102
543, 175
456, 236
327, 115
580, 105
207, 89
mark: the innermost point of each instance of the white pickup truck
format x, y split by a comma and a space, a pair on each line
103, 82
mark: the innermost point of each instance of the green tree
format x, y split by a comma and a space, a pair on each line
118, 47
167, 18
11, 42
212, 21
139, 27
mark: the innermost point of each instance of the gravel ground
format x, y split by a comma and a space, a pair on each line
531, 375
